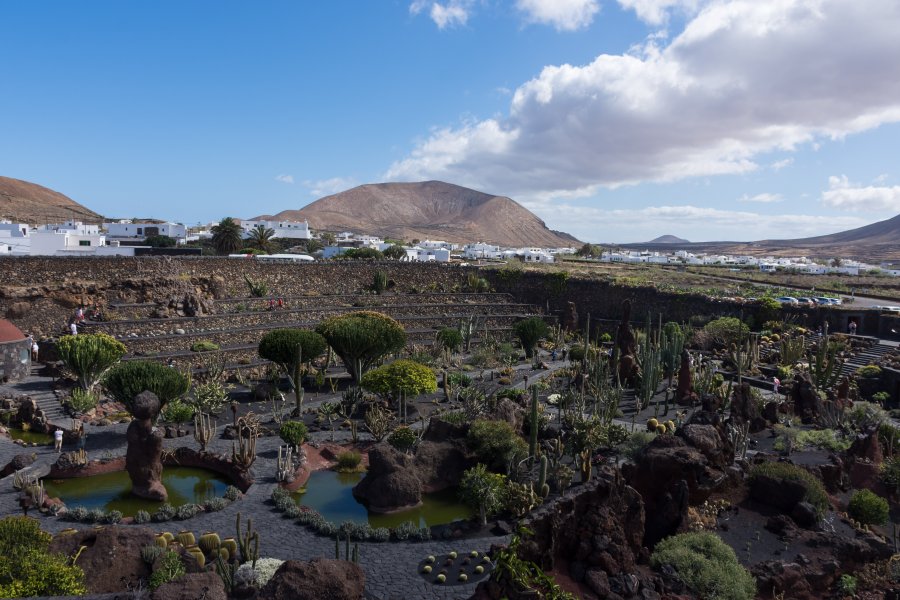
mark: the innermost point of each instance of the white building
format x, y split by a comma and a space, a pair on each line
296, 230
139, 231
481, 250
437, 245
68, 239
419, 254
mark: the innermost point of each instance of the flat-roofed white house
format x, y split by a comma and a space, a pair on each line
482, 250
139, 231
297, 230
418, 254
69, 238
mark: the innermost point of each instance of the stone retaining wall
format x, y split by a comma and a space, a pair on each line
15, 360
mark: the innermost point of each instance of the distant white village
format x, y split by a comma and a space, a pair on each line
127, 238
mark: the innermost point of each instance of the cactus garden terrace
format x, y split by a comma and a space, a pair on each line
631, 447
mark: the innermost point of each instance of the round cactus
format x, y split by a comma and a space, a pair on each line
426, 569
474, 553
161, 541
430, 560
652, 424
453, 555
479, 570
197, 554
209, 542
463, 577
660, 429
441, 578
186, 538
168, 535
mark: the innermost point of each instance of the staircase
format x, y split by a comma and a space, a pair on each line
868, 356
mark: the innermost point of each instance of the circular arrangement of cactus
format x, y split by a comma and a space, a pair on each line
456, 568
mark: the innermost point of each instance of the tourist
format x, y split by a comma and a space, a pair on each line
73, 327
281, 303
79, 314
553, 355
852, 328
57, 440
776, 383
34, 349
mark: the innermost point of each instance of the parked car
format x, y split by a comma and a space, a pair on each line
823, 301
787, 300
804, 301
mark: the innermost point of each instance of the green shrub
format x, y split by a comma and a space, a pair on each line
26, 567
636, 442
868, 508
89, 356
727, 330
869, 372
880, 397
204, 346
815, 491
232, 493
348, 462
401, 376
361, 338
170, 568
403, 438
530, 331
177, 411
450, 338
482, 490
293, 433
126, 380
496, 444
847, 585
83, 400
706, 565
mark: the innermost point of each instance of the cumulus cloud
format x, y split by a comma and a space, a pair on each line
563, 15
656, 12
285, 178
781, 164
326, 187
844, 194
744, 77
447, 14
696, 223
765, 198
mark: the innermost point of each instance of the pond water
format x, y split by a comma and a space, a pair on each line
30, 437
112, 491
331, 494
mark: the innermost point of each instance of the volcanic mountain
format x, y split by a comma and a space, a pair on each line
428, 210
876, 242
668, 239
25, 202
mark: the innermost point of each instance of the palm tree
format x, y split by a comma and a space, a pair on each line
261, 237
226, 237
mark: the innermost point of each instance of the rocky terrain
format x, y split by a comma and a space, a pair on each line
25, 202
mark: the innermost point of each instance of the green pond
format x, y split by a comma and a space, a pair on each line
331, 494
30, 437
112, 491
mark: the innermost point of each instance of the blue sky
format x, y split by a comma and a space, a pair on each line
614, 120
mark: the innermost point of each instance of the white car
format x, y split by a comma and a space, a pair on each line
787, 300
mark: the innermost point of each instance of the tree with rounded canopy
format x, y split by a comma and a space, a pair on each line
226, 238
89, 356
290, 349
401, 378
126, 380
395, 252
530, 331
483, 490
361, 338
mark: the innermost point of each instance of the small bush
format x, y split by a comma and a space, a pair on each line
450, 338
495, 443
880, 397
112, 517
95, 515
293, 433
868, 508
150, 553
847, 585
186, 511
204, 346
141, 517
232, 493
165, 512
77, 513
635, 443
169, 569
869, 372
530, 331
177, 411
815, 491
707, 565
727, 330
215, 504
405, 530
82, 400
403, 438
348, 461
380, 534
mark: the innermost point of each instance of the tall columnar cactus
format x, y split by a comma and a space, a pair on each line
671, 344
543, 487
203, 430
447, 385
824, 365
284, 469
791, 350
533, 439
248, 542
244, 455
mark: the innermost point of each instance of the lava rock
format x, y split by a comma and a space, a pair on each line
319, 579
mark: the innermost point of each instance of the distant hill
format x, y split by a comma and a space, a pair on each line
428, 210
25, 202
668, 239
876, 242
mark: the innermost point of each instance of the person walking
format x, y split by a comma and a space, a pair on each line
34, 349
852, 327
73, 327
58, 439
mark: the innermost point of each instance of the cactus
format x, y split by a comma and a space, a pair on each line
248, 543
791, 350
284, 470
223, 553
354, 431
379, 282
585, 464
542, 476
533, 437
740, 438
337, 546
203, 431
225, 570
186, 538
169, 537
244, 455
230, 544
197, 554
671, 344
355, 556
161, 541
447, 387
824, 365
209, 542
650, 363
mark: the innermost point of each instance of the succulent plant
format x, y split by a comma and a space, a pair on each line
426, 569
463, 577
479, 570
441, 578
186, 538
453, 555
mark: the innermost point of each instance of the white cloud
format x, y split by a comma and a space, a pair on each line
656, 12
285, 178
448, 14
765, 198
697, 224
326, 187
744, 77
564, 15
781, 164
846, 195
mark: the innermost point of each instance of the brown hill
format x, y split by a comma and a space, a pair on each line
668, 239
875, 242
25, 202
428, 210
